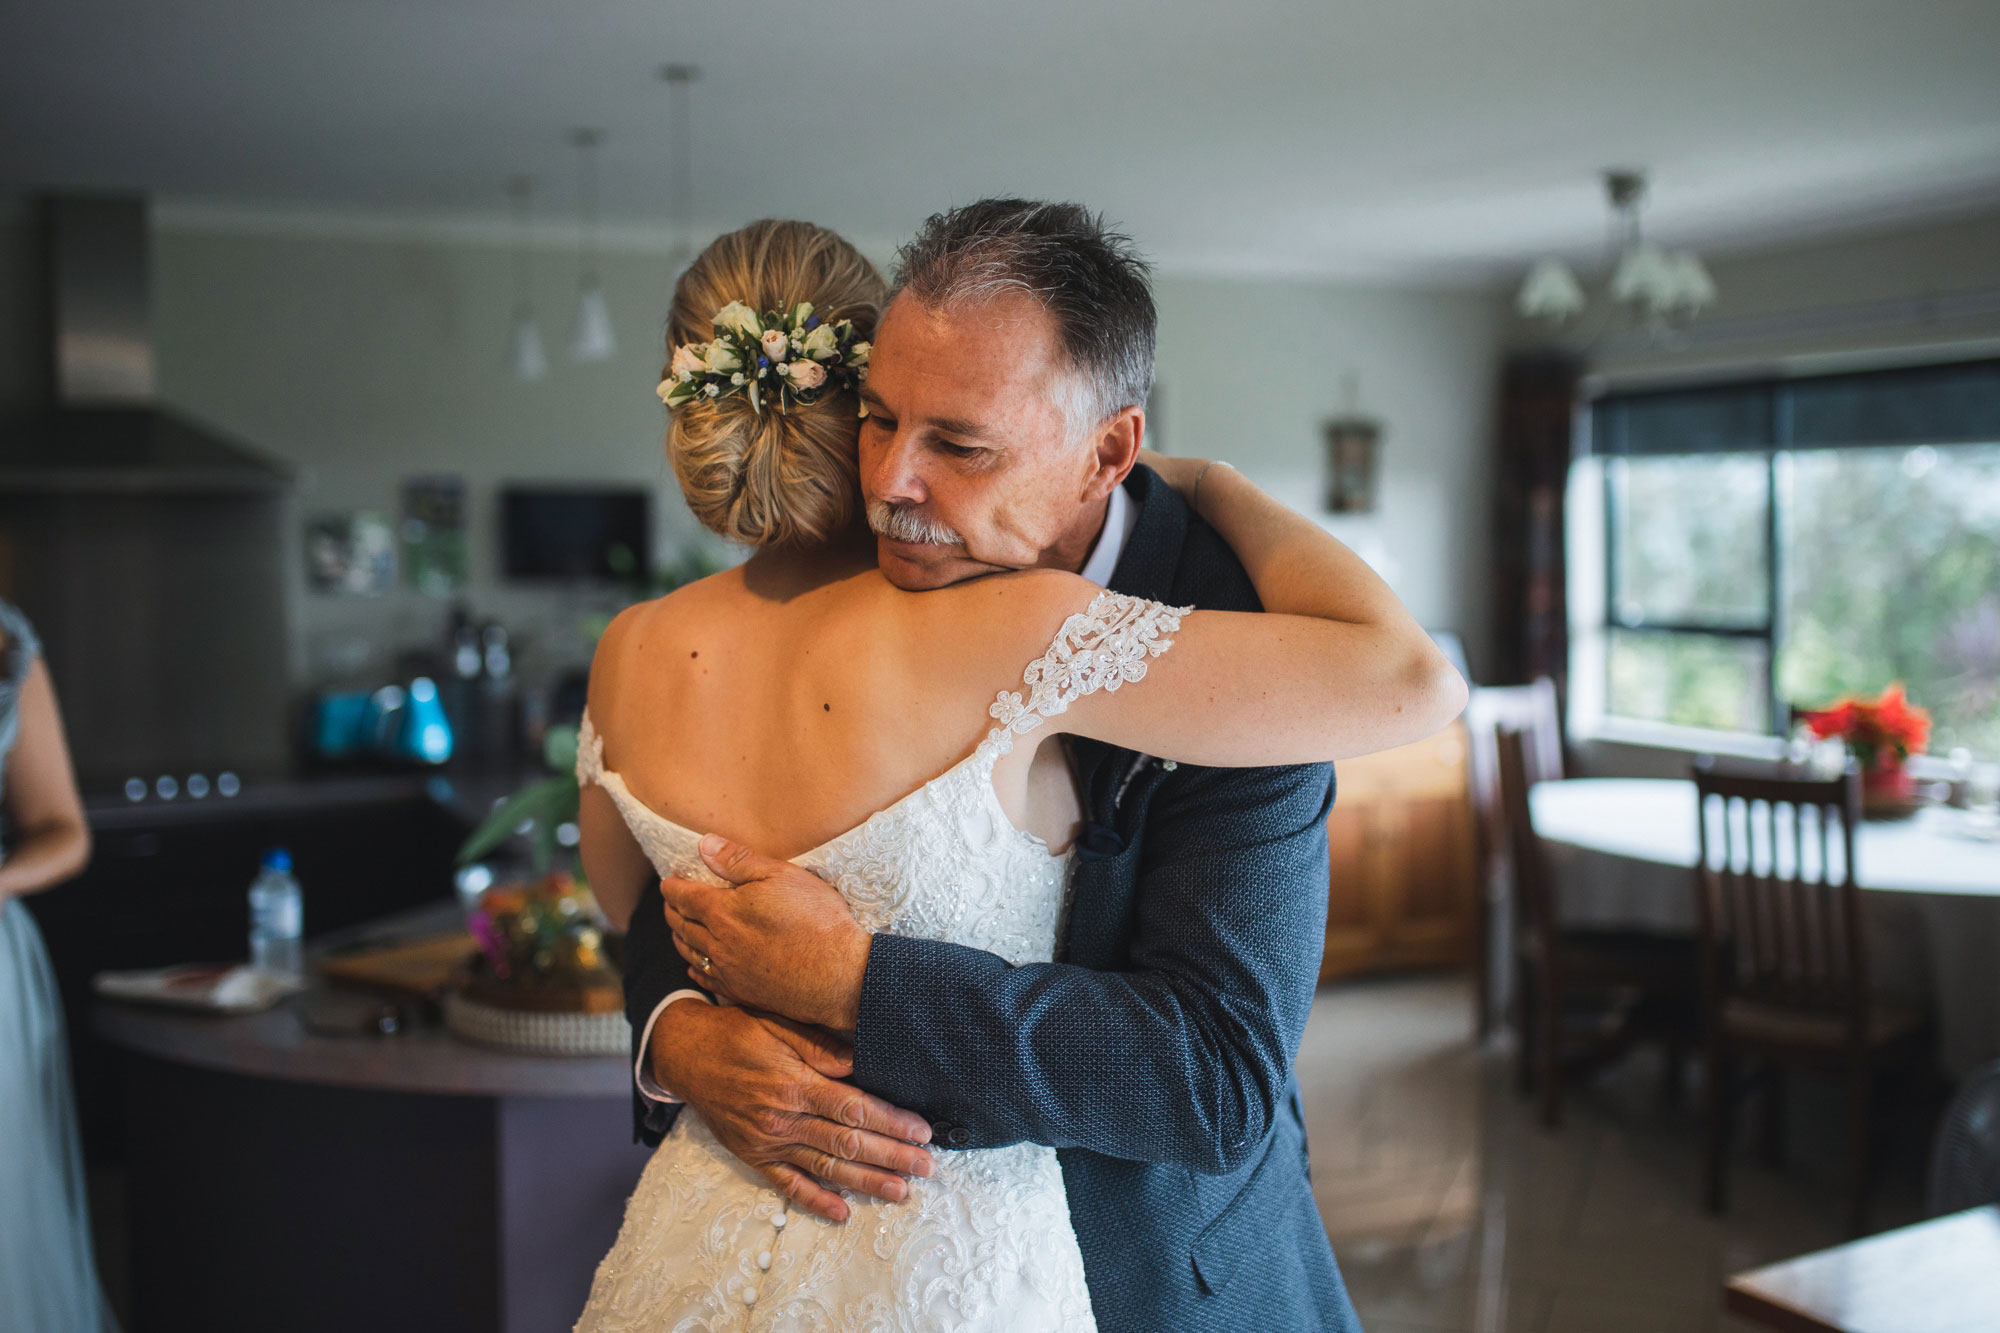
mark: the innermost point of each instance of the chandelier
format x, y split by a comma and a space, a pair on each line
1661, 288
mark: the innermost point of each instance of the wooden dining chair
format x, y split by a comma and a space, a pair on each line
1784, 960
1532, 710
1586, 995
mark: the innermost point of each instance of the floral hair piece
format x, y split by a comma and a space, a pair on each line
776, 358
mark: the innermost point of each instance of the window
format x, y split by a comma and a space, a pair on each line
1773, 546
1689, 635
1893, 560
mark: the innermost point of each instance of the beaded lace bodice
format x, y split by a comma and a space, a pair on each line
985, 1242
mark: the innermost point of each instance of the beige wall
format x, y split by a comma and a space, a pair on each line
1248, 371
364, 358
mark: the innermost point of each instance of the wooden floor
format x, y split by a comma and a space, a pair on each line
1452, 1211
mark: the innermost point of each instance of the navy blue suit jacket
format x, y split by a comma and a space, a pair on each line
1156, 1054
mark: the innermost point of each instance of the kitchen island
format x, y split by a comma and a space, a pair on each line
284, 1179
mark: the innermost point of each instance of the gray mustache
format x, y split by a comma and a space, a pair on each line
905, 523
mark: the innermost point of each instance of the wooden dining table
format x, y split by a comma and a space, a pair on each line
1941, 1276
1623, 851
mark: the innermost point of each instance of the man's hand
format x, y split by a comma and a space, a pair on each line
777, 937
768, 1090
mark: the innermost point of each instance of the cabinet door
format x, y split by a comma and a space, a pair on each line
1354, 890
1434, 890
1401, 889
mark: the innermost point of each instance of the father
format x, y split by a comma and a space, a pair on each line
1156, 1053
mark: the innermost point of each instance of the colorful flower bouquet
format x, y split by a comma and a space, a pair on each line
1881, 734
540, 948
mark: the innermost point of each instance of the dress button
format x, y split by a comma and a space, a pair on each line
778, 1221
749, 1295
763, 1258
958, 1136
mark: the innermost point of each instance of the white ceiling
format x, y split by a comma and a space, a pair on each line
1430, 139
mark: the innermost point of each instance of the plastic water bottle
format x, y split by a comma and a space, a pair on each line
277, 916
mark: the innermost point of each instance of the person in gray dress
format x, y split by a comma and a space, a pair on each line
48, 1275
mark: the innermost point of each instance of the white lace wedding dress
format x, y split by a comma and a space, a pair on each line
983, 1244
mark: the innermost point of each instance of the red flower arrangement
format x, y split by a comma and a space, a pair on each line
1881, 733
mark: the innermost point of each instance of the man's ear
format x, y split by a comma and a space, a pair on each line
1116, 448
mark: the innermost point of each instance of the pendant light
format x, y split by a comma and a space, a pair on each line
1660, 288
680, 81
524, 344
591, 338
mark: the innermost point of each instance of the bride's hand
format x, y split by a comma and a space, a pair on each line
1180, 473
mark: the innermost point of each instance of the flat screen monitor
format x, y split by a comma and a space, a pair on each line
601, 533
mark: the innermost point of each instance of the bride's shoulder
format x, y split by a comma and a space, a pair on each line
659, 618
1011, 615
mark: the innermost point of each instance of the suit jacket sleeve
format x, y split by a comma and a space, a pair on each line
1183, 1057
653, 971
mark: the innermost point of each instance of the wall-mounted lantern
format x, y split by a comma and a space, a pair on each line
1353, 457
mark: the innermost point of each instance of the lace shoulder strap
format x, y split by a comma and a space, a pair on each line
589, 753
1102, 647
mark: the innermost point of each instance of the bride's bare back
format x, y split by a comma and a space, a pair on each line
783, 702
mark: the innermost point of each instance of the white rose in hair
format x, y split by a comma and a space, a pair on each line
857, 355
721, 360
775, 344
739, 318
687, 362
806, 374
820, 343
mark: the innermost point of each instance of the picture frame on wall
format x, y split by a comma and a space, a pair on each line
350, 552
433, 535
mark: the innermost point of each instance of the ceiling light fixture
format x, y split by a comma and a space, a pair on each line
1661, 287
524, 343
680, 80
591, 338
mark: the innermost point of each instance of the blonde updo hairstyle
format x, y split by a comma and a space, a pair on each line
777, 476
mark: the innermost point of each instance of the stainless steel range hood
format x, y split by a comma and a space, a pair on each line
147, 548
100, 428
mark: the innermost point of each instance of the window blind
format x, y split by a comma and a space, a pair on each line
1956, 403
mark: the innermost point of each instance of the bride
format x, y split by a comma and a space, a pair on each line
904, 747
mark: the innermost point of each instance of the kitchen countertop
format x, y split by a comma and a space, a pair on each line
275, 1044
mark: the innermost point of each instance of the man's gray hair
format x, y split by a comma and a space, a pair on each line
1089, 278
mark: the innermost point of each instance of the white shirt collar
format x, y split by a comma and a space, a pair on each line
1120, 517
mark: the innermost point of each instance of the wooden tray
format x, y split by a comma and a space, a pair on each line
422, 968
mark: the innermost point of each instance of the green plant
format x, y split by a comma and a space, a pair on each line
538, 810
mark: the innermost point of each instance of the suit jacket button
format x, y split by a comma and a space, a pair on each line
941, 1130
1097, 841
958, 1136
